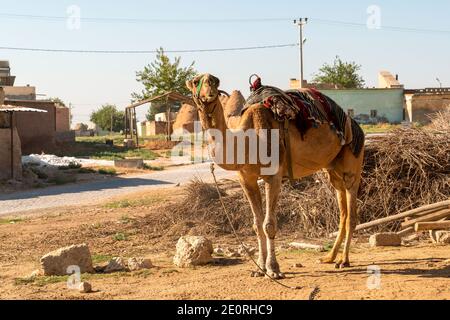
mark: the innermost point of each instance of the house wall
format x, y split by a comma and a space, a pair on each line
36, 130
5, 154
20, 93
62, 119
425, 105
387, 102
142, 129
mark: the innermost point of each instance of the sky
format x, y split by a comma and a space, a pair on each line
408, 38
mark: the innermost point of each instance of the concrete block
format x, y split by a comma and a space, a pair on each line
385, 240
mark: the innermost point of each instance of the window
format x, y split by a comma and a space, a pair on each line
373, 113
351, 113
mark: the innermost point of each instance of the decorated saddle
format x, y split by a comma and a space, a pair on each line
309, 108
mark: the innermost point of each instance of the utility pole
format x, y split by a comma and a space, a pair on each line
300, 23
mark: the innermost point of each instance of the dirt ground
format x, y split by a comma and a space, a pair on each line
419, 271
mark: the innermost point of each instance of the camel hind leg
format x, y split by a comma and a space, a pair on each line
341, 195
345, 177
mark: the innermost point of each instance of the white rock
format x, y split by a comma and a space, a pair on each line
135, 264
36, 273
56, 263
115, 264
242, 250
233, 254
193, 251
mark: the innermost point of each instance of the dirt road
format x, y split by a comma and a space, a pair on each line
100, 191
420, 271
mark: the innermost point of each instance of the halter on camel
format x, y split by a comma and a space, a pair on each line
199, 101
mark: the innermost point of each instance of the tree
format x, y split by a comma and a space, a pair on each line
162, 76
107, 114
340, 73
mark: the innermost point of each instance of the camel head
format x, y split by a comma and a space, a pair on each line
204, 88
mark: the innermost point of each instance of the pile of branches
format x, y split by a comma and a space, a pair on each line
403, 170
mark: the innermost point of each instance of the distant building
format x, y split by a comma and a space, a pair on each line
370, 105
38, 131
421, 104
387, 81
367, 105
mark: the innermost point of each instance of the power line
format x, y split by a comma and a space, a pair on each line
141, 20
383, 27
149, 51
219, 20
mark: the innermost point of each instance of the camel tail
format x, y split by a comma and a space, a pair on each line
358, 140
340, 118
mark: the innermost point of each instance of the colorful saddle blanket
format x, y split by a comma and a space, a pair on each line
308, 108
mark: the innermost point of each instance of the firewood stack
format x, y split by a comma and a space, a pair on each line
433, 217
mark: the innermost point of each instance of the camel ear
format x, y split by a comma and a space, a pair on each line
190, 84
215, 80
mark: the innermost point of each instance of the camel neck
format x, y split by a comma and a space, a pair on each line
215, 122
215, 119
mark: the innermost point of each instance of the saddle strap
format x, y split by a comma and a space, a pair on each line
287, 142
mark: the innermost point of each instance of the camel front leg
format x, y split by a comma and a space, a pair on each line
250, 186
273, 189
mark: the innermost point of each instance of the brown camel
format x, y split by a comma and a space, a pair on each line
320, 148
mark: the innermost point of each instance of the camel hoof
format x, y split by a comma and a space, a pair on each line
257, 274
342, 265
275, 275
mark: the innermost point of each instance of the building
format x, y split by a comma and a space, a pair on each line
368, 105
11, 149
38, 132
387, 81
422, 104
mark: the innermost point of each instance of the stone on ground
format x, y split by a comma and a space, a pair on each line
193, 251
135, 264
56, 262
85, 287
116, 264
385, 240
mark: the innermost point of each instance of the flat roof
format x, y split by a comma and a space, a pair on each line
7, 108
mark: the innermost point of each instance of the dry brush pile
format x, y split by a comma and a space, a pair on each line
402, 170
